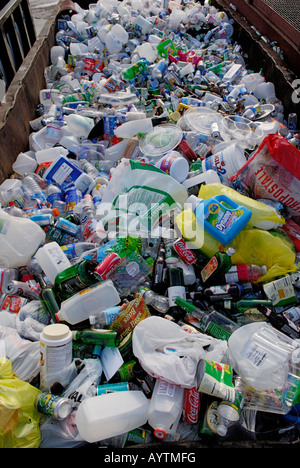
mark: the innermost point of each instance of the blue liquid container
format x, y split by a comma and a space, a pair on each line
220, 216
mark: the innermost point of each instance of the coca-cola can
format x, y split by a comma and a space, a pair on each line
108, 265
191, 405
182, 250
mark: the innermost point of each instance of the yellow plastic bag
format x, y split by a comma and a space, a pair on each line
252, 246
19, 420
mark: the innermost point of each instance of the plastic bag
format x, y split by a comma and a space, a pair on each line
19, 420
23, 354
272, 172
252, 246
64, 434
168, 352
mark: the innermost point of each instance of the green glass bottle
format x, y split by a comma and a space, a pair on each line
48, 299
74, 279
217, 266
211, 322
97, 337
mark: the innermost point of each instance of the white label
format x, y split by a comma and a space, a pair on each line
62, 173
175, 291
111, 360
166, 388
255, 354
279, 290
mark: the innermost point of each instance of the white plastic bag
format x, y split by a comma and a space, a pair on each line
168, 352
23, 354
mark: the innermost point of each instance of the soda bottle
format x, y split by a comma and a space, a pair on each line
157, 301
232, 291
249, 273
217, 266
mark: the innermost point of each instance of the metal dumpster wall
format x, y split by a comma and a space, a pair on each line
261, 55
22, 97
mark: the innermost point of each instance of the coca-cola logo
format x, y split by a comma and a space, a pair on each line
192, 407
185, 253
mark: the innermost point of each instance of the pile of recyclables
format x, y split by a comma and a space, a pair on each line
150, 240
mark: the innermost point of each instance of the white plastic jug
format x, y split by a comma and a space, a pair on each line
19, 240
165, 408
260, 355
52, 260
87, 302
112, 414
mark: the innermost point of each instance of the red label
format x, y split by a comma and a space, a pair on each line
191, 405
186, 254
108, 265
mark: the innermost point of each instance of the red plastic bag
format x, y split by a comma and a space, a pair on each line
273, 172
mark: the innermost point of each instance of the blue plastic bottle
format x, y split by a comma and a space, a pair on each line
220, 216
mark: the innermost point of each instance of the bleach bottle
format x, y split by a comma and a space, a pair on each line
220, 216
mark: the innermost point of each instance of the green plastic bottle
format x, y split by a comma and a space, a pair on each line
136, 69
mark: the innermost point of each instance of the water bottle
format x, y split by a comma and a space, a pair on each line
165, 409
75, 250
104, 416
53, 193
229, 414
33, 189
14, 210
248, 273
105, 317
157, 301
92, 229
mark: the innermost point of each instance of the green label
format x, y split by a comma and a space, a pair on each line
218, 332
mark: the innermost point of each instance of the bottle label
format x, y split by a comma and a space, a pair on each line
217, 332
216, 379
175, 291
209, 268
167, 162
237, 273
166, 388
14, 303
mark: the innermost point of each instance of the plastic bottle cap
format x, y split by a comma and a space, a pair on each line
230, 251
160, 433
11, 203
264, 269
56, 331
194, 201
55, 212
221, 430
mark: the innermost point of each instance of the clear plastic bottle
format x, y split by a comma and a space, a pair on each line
157, 301
33, 189
165, 409
229, 414
53, 193
249, 273
92, 229
105, 317
75, 250
14, 210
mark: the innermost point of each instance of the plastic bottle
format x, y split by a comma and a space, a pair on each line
56, 353
92, 229
53, 193
14, 210
33, 189
52, 260
229, 414
79, 125
248, 273
220, 216
175, 165
20, 238
110, 415
87, 302
75, 250
105, 317
133, 127
165, 409
157, 301
6, 276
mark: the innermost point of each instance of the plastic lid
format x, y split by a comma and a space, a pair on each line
55, 212
201, 119
160, 433
56, 331
160, 140
230, 251
194, 201
264, 269
11, 203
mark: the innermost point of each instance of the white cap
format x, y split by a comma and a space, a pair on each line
194, 201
